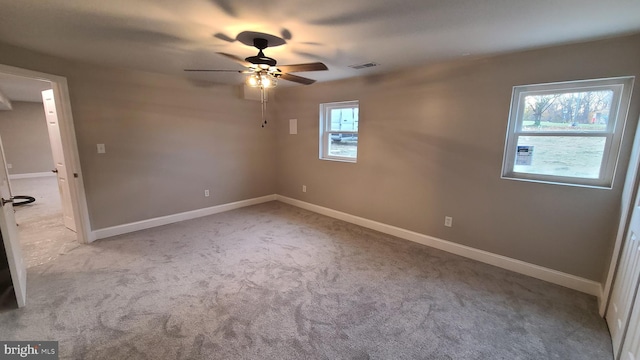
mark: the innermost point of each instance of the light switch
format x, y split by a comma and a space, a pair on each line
101, 149
293, 126
9, 166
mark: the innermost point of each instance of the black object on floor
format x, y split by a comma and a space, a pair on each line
25, 200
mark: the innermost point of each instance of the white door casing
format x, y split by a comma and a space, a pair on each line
70, 146
626, 207
53, 127
626, 282
9, 231
631, 347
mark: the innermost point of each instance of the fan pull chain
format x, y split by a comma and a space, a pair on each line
263, 106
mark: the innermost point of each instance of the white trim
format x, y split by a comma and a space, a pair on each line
602, 301
325, 129
169, 219
553, 276
621, 87
31, 175
69, 146
5, 102
628, 194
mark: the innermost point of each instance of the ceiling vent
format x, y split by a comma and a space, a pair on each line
363, 66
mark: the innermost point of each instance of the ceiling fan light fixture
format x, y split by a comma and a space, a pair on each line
262, 79
265, 81
268, 81
253, 80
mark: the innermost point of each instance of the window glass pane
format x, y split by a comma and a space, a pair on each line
343, 145
572, 111
344, 119
572, 156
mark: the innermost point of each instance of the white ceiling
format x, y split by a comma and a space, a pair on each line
167, 36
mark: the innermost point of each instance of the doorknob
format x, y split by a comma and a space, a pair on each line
6, 201
54, 171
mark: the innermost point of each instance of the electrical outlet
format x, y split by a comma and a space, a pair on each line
448, 221
206, 193
304, 188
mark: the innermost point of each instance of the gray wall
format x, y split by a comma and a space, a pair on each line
431, 144
25, 138
167, 140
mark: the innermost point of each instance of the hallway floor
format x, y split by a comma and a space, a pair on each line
43, 235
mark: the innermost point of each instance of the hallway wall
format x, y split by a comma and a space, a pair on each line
25, 138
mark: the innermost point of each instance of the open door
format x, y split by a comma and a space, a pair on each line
631, 347
9, 231
51, 115
626, 281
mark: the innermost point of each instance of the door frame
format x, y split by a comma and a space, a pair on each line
69, 146
629, 192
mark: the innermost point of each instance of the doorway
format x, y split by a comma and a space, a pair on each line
57, 220
45, 229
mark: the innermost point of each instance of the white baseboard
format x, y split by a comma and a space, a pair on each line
602, 302
553, 276
30, 175
164, 220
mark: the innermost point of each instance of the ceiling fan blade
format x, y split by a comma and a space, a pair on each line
316, 66
297, 79
286, 34
236, 59
224, 37
212, 70
225, 5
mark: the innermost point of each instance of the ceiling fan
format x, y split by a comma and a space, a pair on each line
263, 71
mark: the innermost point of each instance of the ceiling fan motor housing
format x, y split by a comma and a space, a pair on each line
261, 58
260, 43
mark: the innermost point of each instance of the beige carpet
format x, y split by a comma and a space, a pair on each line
276, 282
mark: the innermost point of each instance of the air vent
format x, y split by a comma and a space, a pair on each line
363, 66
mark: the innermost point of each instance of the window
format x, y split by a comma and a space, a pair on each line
567, 133
339, 131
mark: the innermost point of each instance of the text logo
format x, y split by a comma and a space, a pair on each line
29, 350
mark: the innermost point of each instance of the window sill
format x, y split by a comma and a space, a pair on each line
551, 182
344, 160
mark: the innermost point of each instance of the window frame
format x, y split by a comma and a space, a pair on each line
621, 87
325, 129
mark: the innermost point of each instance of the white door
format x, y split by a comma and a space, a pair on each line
626, 281
631, 347
58, 157
9, 231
